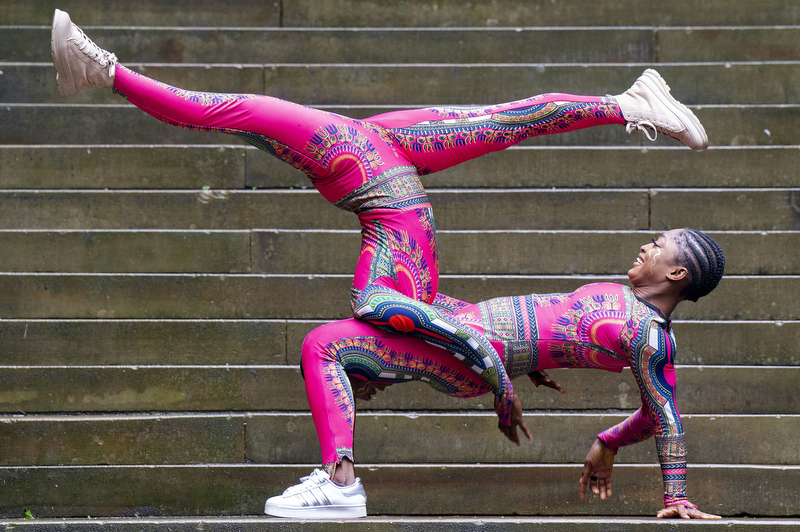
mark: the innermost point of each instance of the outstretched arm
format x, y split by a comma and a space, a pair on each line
652, 356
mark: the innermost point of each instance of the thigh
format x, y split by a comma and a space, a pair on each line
399, 251
366, 352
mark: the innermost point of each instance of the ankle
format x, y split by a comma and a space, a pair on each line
344, 474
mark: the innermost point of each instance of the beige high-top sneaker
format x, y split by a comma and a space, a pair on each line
649, 106
80, 63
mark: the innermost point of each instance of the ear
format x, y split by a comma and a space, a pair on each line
677, 273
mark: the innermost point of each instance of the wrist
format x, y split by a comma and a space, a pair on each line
668, 501
605, 444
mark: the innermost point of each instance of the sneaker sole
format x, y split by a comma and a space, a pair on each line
318, 512
694, 129
62, 28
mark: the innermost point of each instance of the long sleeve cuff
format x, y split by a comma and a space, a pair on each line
672, 456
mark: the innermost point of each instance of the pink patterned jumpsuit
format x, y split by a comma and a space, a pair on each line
371, 167
599, 326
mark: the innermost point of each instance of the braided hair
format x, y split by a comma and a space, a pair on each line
703, 257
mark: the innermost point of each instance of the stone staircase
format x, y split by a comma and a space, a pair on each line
156, 283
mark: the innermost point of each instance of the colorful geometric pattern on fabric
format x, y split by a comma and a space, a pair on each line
394, 313
636, 428
374, 360
672, 456
369, 166
531, 333
465, 126
339, 144
396, 188
395, 253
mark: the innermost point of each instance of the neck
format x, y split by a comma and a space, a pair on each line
666, 303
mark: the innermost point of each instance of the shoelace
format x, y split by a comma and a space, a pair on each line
644, 126
305, 483
88, 47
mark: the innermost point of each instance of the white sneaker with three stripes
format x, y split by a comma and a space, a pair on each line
318, 497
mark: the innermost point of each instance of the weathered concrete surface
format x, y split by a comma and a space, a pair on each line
734, 44
104, 125
702, 389
734, 125
144, 342
358, 45
616, 166
408, 45
535, 13
393, 490
91, 440
38, 81
145, 13
247, 296
147, 342
431, 84
404, 524
126, 167
395, 438
739, 209
148, 388
737, 342
231, 209
527, 252
558, 437
126, 252
349, 13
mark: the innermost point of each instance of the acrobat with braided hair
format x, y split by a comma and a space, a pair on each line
371, 167
603, 326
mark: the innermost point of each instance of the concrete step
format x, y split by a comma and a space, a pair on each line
33, 125
401, 524
389, 438
751, 83
730, 209
408, 45
227, 168
334, 252
146, 12
702, 389
222, 490
70, 342
231, 167
360, 13
310, 297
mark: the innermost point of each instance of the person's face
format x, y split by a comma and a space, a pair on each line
657, 260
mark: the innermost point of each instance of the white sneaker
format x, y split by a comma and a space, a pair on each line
318, 497
80, 63
649, 106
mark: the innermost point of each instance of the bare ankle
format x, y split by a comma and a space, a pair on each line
344, 474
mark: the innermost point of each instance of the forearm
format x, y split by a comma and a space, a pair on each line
672, 457
638, 427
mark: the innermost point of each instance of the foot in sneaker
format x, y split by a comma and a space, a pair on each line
649, 106
318, 497
80, 63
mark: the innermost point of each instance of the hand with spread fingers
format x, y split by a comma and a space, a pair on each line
510, 431
597, 470
684, 512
